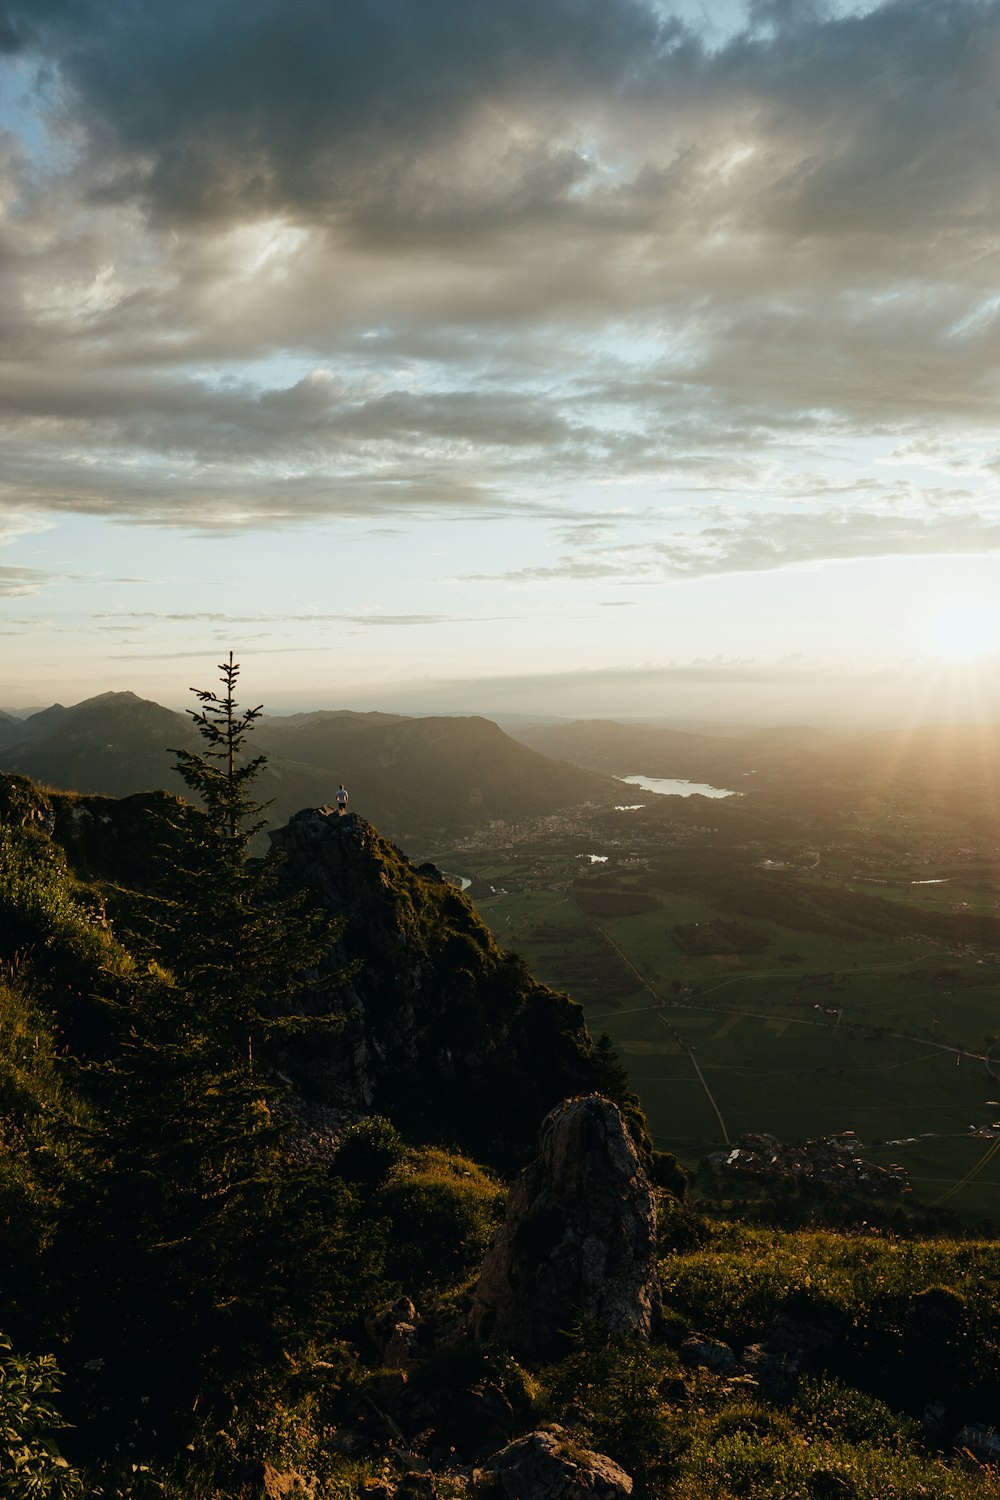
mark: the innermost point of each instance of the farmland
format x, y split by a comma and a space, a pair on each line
841, 976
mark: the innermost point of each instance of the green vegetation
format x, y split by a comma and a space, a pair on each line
31, 1466
893, 1323
797, 975
196, 1232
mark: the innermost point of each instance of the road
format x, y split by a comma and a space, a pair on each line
658, 1011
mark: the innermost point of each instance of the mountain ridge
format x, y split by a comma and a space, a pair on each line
415, 777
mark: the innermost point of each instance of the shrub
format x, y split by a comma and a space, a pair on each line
31, 1466
443, 1210
369, 1152
668, 1173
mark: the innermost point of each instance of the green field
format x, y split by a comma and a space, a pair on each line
855, 1022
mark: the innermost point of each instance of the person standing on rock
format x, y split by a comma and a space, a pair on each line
342, 799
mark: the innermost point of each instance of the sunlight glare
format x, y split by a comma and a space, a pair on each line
962, 629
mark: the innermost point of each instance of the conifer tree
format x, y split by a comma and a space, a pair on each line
221, 1252
217, 776
248, 953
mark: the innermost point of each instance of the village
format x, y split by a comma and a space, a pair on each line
830, 1158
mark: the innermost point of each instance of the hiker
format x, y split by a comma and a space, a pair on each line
342, 799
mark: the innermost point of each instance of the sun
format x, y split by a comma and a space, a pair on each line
962, 629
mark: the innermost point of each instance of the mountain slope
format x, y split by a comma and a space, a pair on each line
442, 1030
116, 743
421, 774
416, 778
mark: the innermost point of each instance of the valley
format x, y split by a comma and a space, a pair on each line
798, 972
819, 951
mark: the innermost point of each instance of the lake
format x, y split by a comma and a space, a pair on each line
667, 788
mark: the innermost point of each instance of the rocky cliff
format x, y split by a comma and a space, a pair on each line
442, 1030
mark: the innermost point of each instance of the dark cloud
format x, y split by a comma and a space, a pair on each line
319, 414
523, 245
246, 104
445, 117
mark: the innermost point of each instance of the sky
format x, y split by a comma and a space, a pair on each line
570, 357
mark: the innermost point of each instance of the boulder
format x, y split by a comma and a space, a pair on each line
578, 1240
776, 1371
935, 1422
287, 1486
708, 1354
981, 1441
394, 1334
547, 1466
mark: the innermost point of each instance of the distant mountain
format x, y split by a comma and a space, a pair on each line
423, 774
116, 743
780, 759
791, 737
953, 765
417, 777
641, 749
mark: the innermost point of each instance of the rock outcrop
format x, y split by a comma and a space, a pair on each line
442, 1030
394, 1335
578, 1240
545, 1466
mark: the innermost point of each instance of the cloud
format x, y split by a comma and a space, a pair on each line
768, 541
16, 582
445, 116
128, 619
248, 105
287, 262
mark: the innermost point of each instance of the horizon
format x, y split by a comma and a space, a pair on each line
644, 344
900, 716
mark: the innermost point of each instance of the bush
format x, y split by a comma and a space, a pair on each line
838, 1411
369, 1152
31, 1466
611, 1394
443, 1210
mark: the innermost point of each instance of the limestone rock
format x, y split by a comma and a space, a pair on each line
287, 1486
264, 1482
544, 1466
775, 1371
578, 1240
935, 1422
394, 1335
